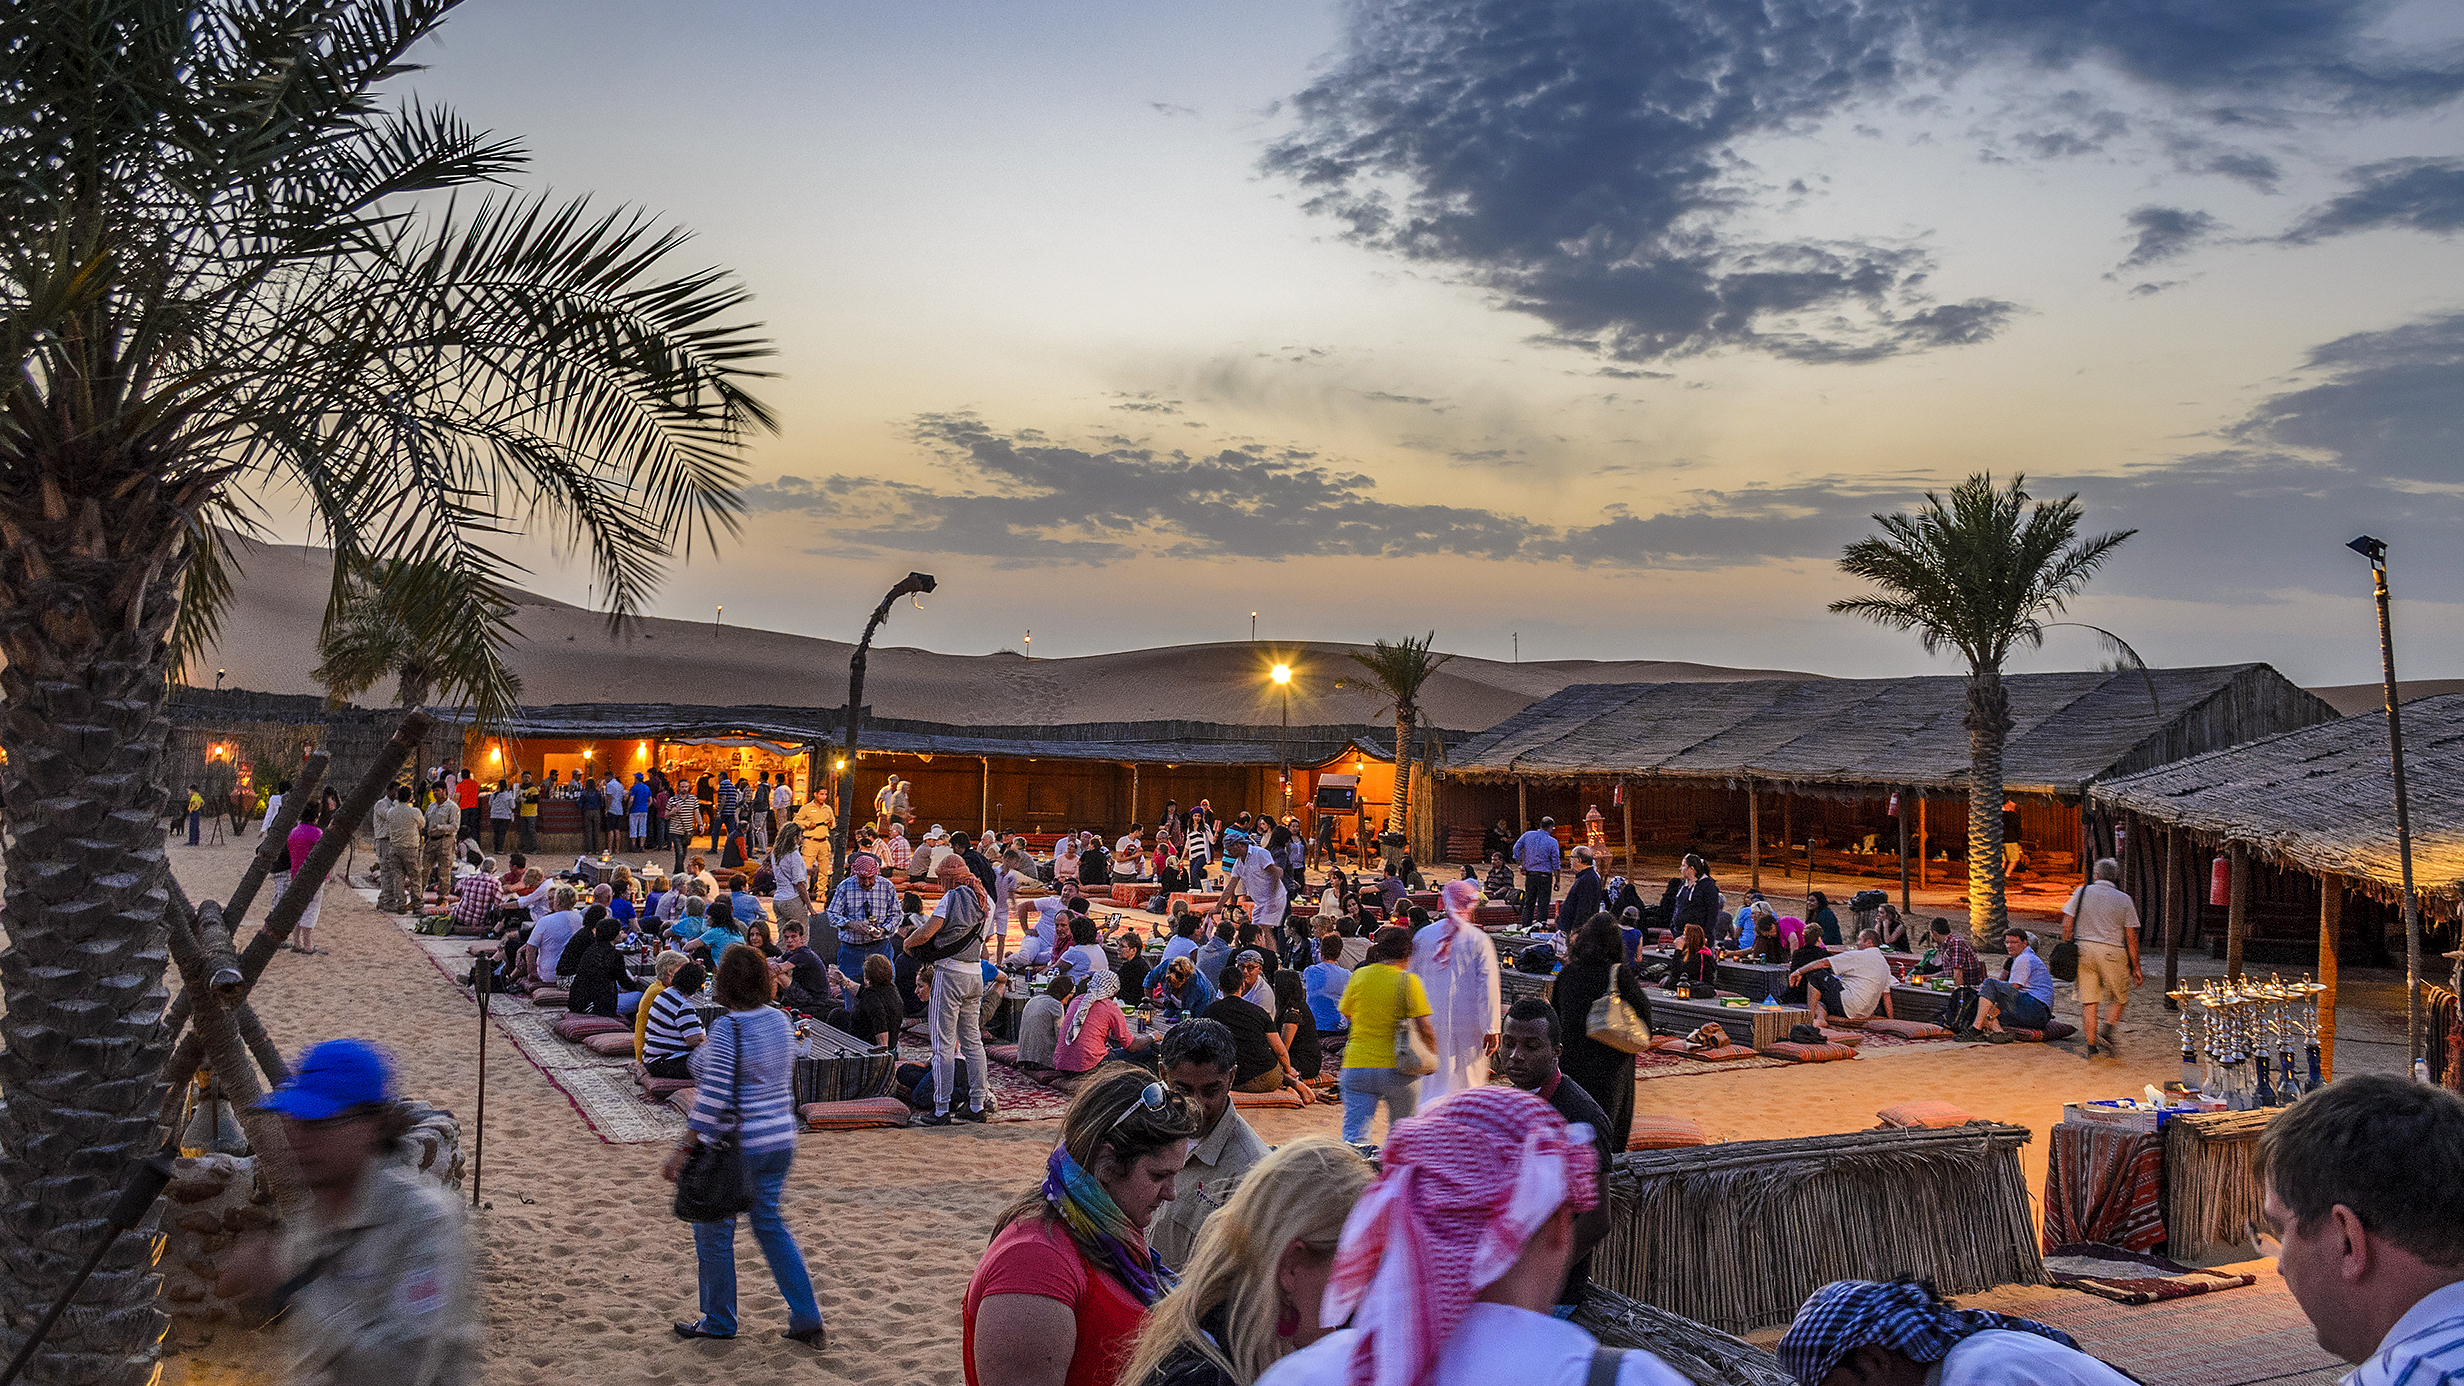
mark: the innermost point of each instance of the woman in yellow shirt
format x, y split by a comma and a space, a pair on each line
1382, 995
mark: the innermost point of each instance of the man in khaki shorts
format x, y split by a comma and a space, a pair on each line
2105, 922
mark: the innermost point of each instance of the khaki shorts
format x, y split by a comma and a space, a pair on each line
2103, 968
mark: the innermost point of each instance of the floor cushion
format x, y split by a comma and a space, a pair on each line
2056, 1030
682, 1099
613, 1044
582, 1027
655, 1088
1668, 1044
1811, 1053
1909, 1029
1280, 1097
1661, 1131
546, 997
1930, 1115
1725, 1051
857, 1115
1002, 1054
1847, 1037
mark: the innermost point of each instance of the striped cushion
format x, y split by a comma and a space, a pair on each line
1002, 1054
1909, 1029
1280, 1097
1661, 1131
545, 997
1931, 1115
682, 1099
1811, 1053
1725, 1051
613, 1044
657, 1088
1668, 1044
582, 1027
853, 1116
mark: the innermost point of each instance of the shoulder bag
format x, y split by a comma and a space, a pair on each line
1413, 1055
715, 1184
1612, 1022
935, 951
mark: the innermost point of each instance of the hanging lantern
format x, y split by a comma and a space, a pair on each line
2220, 882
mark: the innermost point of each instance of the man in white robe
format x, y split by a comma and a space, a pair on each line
1457, 966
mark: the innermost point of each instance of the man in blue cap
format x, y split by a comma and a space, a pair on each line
376, 1272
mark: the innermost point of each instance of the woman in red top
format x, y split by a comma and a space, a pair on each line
1062, 1291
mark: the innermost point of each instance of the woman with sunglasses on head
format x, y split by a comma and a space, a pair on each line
1255, 1280
1066, 1284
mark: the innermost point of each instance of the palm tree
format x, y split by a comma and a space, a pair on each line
1400, 668
375, 628
226, 268
1981, 574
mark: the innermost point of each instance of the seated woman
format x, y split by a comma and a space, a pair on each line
1770, 937
1695, 972
1809, 949
620, 895
675, 1029
1094, 1032
757, 937
1818, 913
1184, 990
692, 916
875, 1014
1060, 1293
599, 978
1039, 1024
1186, 927
665, 967
1898, 936
1298, 1024
719, 932
1255, 1280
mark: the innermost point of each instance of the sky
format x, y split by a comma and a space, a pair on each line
1594, 325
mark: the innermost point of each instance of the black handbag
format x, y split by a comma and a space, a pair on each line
715, 1185
2064, 964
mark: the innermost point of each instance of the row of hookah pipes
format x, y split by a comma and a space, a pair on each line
2228, 1038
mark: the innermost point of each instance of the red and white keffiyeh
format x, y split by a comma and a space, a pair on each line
1459, 899
1465, 1184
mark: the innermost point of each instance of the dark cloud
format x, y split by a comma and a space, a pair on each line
2414, 194
2165, 232
1578, 157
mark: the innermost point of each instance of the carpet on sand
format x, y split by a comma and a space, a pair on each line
2251, 1336
2134, 1277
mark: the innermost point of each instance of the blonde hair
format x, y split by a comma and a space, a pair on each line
667, 965
532, 876
1299, 1193
623, 879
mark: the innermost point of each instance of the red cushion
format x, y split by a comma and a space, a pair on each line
1931, 1115
1725, 1051
682, 1099
1811, 1053
1002, 1054
613, 1044
854, 1116
546, 997
1662, 1131
582, 1027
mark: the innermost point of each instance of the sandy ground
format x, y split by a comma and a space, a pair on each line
583, 1268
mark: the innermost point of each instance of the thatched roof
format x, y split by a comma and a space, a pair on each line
2067, 729
1182, 743
2322, 799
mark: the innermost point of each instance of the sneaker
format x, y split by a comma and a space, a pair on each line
2106, 1032
1999, 1037
936, 1119
977, 1114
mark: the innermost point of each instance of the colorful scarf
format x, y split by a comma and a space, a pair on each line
1094, 1219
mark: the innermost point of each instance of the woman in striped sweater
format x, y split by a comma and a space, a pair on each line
744, 1080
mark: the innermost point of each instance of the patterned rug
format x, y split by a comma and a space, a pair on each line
2251, 1336
1650, 1066
2132, 1277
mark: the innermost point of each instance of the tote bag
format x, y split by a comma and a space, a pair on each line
1612, 1022
714, 1184
1414, 1057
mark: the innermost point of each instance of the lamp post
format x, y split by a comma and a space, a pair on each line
2376, 551
914, 582
1282, 675
218, 680
1253, 628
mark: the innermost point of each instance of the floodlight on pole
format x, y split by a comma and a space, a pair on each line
2376, 551
1282, 676
1253, 628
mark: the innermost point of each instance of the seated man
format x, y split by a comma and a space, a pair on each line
2025, 999
802, 978
1899, 1331
1039, 1024
1848, 985
1953, 956
548, 939
1198, 1061
1264, 1064
873, 1013
1325, 981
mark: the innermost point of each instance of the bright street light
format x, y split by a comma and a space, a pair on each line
1282, 673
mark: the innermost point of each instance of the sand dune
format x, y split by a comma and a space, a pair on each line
567, 656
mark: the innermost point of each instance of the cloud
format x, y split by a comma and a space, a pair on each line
1578, 159
1144, 402
2164, 233
2418, 194
1169, 110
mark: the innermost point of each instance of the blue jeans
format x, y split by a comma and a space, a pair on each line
2016, 1006
714, 1253
1363, 1087
196, 818
851, 957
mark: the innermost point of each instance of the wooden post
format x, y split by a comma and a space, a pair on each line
2173, 913
2237, 912
1133, 791
2331, 929
1901, 818
1924, 844
1522, 806
1753, 837
984, 809
1626, 800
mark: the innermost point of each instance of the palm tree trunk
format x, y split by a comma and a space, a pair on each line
1403, 767
1989, 724
85, 611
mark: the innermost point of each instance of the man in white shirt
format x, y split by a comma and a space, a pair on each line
2365, 1184
1850, 984
1132, 841
1040, 942
1899, 1333
2105, 921
1252, 874
1421, 1274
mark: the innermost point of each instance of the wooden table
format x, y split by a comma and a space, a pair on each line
1758, 1025
1918, 1003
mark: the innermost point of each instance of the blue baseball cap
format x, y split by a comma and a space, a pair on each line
331, 1079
